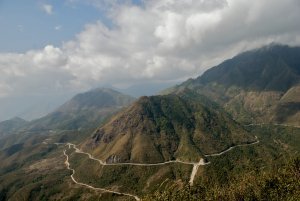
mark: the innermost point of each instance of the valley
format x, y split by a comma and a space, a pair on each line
91, 187
209, 138
191, 181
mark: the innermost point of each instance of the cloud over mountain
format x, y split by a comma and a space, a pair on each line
157, 41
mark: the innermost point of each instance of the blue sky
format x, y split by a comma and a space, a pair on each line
52, 49
26, 25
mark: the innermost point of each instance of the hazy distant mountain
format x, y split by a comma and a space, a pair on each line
183, 125
31, 106
262, 85
162, 128
9, 126
146, 89
84, 110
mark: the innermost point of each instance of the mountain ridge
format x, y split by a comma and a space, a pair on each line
84, 110
257, 86
10, 126
184, 125
161, 128
265, 69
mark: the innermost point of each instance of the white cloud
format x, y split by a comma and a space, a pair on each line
162, 41
47, 8
49, 57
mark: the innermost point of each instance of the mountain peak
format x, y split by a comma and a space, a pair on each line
168, 127
272, 46
271, 68
103, 89
85, 110
260, 85
18, 119
99, 97
9, 126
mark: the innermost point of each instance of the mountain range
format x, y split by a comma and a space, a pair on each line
258, 86
184, 126
238, 118
10, 126
85, 110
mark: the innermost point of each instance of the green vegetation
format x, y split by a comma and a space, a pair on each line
126, 178
256, 86
41, 174
269, 170
161, 128
279, 184
261, 85
32, 167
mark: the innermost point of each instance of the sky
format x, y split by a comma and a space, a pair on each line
53, 49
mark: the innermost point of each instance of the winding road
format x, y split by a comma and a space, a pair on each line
196, 165
284, 125
192, 177
91, 187
134, 164
230, 148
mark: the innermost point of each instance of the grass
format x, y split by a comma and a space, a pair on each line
269, 170
126, 178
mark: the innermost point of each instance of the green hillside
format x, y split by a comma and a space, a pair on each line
160, 128
151, 148
258, 86
269, 170
270, 68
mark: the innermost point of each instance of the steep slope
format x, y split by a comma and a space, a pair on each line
271, 68
248, 173
261, 85
31, 159
9, 126
184, 126
85, 110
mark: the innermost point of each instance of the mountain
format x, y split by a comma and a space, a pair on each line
31, 106
271, 68
9, 126
161, 128
184, 125
32, 166
262, 85
84, 110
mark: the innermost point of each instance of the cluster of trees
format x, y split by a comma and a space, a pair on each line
282, 183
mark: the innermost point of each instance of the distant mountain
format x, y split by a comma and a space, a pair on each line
9, 126
185, 124
262, 85
147, 88
84, 110
31, 106
271, 68
160, 128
